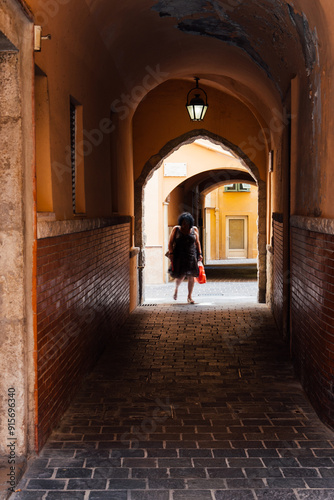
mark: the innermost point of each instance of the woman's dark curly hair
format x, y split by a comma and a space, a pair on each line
187, 217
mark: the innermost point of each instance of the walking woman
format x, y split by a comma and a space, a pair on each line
184, 252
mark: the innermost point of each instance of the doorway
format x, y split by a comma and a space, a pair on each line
236, 237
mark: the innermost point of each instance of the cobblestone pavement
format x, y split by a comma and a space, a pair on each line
190, 402
223, 286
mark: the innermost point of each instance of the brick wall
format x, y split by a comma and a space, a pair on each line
278, 296
312, 316
83, 296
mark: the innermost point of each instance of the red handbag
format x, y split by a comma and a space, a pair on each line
201, 277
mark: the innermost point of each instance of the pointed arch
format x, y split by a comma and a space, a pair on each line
156, 161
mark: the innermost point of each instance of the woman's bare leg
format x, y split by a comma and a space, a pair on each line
178, 282
191, 283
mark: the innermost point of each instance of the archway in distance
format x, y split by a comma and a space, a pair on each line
156, 161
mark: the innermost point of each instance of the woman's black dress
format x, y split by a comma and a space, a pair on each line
184, 261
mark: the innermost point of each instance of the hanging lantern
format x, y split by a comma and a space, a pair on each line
197, 107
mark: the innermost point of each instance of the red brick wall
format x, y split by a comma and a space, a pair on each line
83, 296
278, 296
312, 316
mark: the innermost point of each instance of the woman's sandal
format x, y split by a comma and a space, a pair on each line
190, 301
175, 295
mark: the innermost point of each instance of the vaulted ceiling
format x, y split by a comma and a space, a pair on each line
250, 48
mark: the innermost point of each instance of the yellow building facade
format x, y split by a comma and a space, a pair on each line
230, 223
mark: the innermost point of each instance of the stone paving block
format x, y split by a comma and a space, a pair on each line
210, 484
150, 495
230, 453
74, 472
326, 472
263, 473
281, 462
39, 473
272, 453
315, 494
160, 452
131, 453
82, 454
87, 429
108, 495
126, 484
280, 444
87, 484
28, 495
57, 453
46, 484
79, 445
299, 472
275, 495
148, 444
150, 473
70, 462
103, 462
67, 437
320, 482
187, 472
66, 495
316, 462
247, 444
245, 483
174, 462
323, 453
108, 473
244, 462
192, 495
225, 473
210, 462
166, 484
234, 495
183, 444
296, 452
196, 453
305, 443
286, 483
140, 462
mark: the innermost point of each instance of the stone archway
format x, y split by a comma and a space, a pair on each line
156, 161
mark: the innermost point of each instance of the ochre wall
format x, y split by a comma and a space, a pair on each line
313, 101
77, 63
162, 117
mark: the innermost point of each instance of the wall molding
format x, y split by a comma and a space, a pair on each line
50, 228
316, 224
